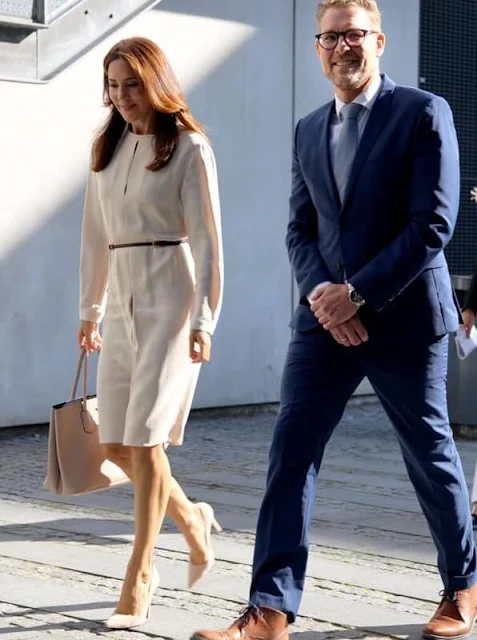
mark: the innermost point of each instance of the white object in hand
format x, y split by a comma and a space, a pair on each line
465, 345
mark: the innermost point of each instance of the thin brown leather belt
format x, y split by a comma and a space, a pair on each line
154, 243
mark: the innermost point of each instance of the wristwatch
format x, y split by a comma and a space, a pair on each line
354, 296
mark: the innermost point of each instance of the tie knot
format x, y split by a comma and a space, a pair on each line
350, 111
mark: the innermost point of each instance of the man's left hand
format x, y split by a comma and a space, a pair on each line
331, 305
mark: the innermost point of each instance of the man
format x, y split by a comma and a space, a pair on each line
375, 194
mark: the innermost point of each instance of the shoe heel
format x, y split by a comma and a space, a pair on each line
216, 526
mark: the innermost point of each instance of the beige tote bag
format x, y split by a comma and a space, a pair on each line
75, 462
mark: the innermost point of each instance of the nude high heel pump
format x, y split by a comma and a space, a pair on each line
198, 571
125, 621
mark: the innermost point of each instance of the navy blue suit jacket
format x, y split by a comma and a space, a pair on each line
398, 214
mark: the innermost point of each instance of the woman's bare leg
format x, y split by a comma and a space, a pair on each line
151, 475
189, 521
180, 509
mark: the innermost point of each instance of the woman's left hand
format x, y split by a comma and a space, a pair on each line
200, 344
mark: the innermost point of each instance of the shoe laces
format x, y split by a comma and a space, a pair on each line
250, 612
454, 597
450, 596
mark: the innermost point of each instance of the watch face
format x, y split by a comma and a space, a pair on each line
356, 298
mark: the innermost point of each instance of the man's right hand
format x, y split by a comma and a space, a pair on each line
351, 333
468, 316
88, 336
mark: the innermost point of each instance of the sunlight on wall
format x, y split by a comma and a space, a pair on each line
46, 130
195, 45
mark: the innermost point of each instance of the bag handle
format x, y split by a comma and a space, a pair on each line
83, 359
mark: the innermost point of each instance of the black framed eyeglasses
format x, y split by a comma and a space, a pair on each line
353, 38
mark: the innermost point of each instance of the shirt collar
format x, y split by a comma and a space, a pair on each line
366, 98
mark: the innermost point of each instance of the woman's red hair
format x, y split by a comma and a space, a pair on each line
153, 70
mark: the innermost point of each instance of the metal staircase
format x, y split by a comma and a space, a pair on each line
40, 38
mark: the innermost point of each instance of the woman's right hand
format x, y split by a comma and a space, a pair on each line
88, 336
468, 316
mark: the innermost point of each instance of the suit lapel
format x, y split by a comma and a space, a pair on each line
377, 119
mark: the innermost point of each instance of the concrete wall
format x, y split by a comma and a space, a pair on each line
236, 61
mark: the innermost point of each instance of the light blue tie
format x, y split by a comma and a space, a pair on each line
346, 146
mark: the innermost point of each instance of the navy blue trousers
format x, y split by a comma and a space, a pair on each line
318, 379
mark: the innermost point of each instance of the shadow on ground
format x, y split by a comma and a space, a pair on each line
78, 529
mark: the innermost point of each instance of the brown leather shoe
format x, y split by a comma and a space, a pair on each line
254, 623
455, 616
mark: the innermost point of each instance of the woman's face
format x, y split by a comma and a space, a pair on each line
128, 96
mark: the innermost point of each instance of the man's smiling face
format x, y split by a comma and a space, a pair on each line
351, 69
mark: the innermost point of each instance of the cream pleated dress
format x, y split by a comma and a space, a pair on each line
150, 297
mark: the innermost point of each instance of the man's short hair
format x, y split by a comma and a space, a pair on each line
371, 6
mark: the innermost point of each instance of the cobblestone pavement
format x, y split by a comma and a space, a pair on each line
372, 564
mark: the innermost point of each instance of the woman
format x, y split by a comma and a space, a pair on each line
151, 236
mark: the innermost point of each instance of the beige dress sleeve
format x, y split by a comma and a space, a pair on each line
201, 205
94, 256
